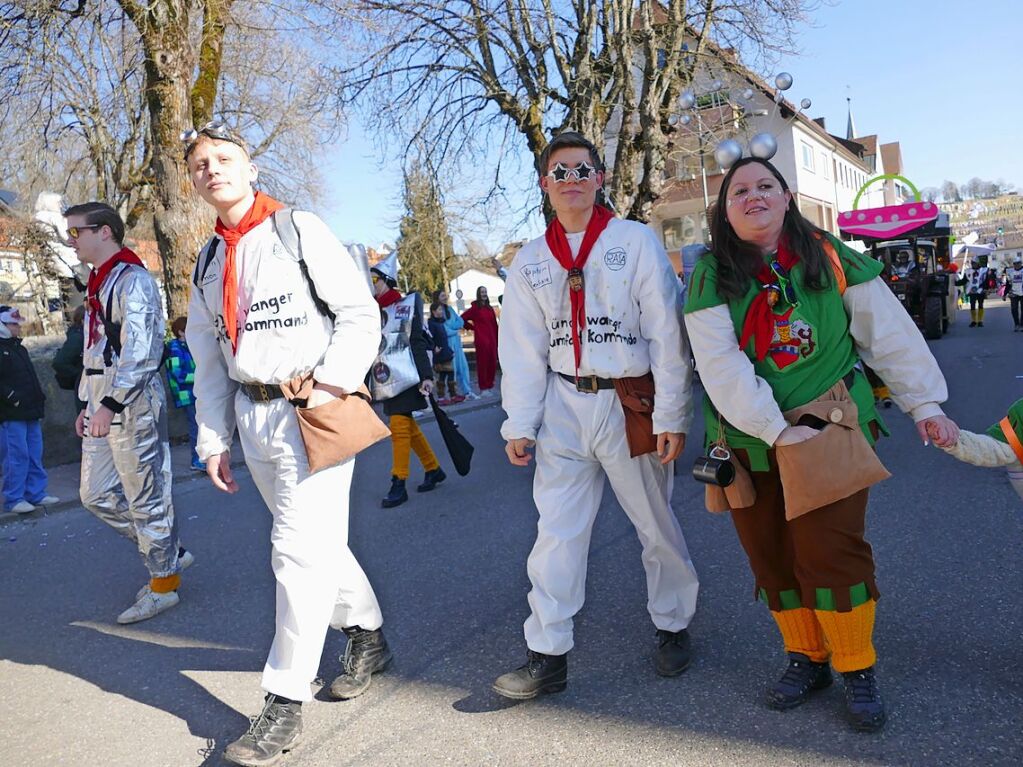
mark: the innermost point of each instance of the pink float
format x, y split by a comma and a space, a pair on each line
889, 221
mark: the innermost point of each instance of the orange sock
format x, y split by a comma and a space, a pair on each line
850, 636
164, 585
801, 633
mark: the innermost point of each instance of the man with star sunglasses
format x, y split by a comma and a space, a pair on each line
590, 307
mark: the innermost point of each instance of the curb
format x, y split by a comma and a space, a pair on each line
9, 517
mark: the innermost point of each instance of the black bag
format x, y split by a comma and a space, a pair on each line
459, 447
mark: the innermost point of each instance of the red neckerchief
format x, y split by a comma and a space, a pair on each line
759, 322
392, 296
262, 208
557, 241
96, 277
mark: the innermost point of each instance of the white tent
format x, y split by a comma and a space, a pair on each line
467, 282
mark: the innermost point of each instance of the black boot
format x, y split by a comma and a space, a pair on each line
367, 654
541, 674
397, 494
431, 480
272, 734
673, 653
802, 677
863, 702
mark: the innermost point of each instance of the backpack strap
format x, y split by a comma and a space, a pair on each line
202, 263
836, 265
290, 237
111, 329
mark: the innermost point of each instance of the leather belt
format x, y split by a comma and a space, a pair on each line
589, 384
258, 392
94, 371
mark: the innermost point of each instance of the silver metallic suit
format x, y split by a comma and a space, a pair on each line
126, 476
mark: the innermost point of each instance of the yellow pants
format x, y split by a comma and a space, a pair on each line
819, 634
406, 436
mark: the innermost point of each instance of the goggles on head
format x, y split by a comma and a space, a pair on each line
213, 129
561, 173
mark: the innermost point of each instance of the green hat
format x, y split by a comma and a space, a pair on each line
1010, 429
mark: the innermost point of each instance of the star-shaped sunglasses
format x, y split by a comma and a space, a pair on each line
562, 173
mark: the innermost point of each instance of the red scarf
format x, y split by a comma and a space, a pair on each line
392, 296
557, 241
262, 208
759, 322
96, 277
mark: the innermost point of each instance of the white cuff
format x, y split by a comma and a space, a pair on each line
925, 411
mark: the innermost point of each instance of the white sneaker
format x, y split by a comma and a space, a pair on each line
148, 605
23, 507
48, 500
184, 562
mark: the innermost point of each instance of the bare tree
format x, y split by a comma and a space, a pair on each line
463, 77
950, 192
112, 83
930, 193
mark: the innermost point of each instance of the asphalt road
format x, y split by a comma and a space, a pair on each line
449, 568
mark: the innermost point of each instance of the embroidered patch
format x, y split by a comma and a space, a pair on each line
537, 275
792, 340
615, 259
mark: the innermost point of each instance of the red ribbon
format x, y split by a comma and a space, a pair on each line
759, 322
557, 241
96, 278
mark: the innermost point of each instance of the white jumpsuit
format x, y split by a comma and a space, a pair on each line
282, 335
126, 476
633, 326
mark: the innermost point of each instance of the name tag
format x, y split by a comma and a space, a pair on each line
537, 275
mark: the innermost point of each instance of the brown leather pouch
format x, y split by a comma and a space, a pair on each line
835, 464
334, 431
637, 398
738, 494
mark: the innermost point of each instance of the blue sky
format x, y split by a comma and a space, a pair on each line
940, 77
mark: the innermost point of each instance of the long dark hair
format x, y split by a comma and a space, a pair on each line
739, 261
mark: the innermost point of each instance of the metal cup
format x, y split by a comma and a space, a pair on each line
715, 468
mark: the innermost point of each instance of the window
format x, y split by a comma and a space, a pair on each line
807, 157
679, 232
824, 165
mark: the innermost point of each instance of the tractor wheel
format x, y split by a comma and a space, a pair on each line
932, 317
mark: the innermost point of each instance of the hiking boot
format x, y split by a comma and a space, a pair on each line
149, 604
802, 677
431, 480
185, 560
863, 703
367, 654
272, 734
397, 494
541, 674
673, 654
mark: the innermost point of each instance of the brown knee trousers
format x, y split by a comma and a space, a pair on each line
819, 560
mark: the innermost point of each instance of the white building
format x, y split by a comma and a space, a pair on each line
462, 289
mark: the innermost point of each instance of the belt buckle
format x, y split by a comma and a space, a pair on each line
586, 384
264, 395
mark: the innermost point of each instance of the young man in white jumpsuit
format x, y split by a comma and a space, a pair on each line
126, 474
254, 324
559, 393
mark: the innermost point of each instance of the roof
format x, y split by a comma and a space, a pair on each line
7, 198
891, 157
869, 143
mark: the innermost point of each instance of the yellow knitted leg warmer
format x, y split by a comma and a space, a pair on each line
401, 442
849, 636
801, 633
423, 449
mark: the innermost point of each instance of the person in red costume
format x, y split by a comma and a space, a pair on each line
481, 319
